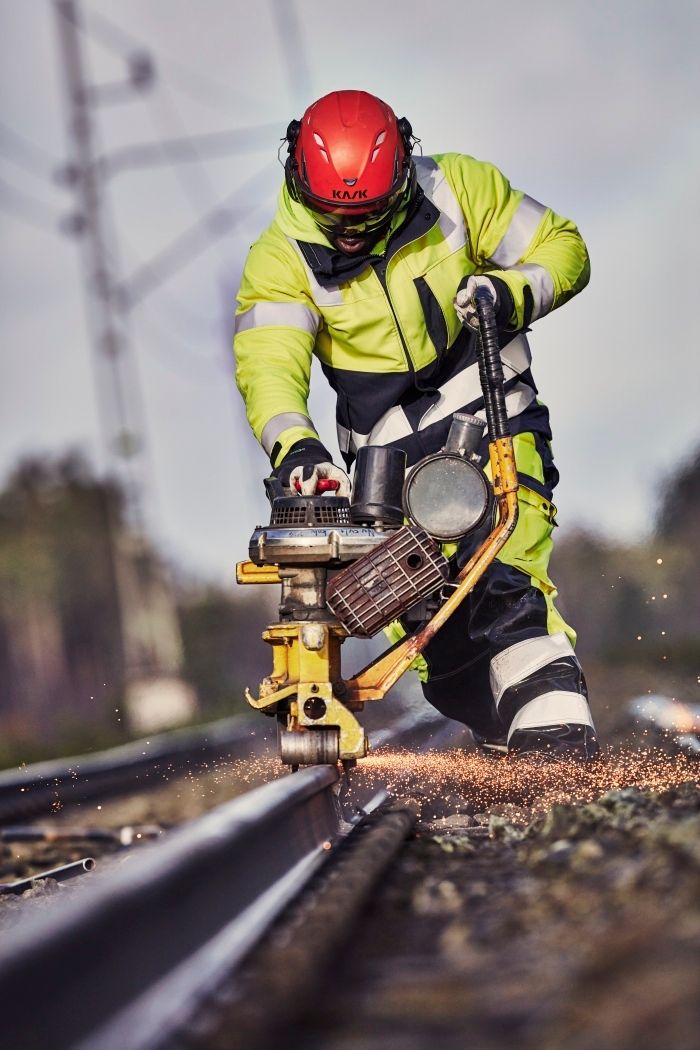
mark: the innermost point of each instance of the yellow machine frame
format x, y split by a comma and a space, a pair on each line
306, 656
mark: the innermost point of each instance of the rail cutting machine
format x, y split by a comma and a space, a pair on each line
350, 568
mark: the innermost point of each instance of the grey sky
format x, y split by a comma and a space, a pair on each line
590, 107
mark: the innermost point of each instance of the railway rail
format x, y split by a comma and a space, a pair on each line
148, 954
34, 789
241, 929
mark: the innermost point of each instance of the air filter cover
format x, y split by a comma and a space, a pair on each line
447, 495
385, 583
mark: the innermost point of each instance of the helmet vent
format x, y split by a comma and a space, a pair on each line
380, 138
349, 182
321, 147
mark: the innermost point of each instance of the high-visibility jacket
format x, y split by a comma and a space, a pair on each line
384, 327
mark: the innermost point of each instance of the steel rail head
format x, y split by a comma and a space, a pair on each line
190, 904
162, 906
33, 788
253, 1008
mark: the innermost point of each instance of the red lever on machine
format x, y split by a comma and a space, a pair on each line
322, 485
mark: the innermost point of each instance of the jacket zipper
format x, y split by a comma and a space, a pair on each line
381, 275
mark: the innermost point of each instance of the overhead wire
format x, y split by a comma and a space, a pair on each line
290, 38
33, 156
29, 209
193, 179
182, 312
197, 238
27, 167
198, 188
121, 41
219, 217
103, 31
13, 150
167, 330
204, 369
189, 147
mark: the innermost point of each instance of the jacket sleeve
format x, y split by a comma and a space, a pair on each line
540, 255
275, 332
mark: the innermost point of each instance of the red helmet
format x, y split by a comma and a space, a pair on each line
350, 162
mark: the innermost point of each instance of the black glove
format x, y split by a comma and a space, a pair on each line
308, 462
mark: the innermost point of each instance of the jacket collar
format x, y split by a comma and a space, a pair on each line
331, 267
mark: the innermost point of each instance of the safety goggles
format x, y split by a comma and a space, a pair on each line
354, 217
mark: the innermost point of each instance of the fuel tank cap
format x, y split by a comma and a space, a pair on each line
447, 495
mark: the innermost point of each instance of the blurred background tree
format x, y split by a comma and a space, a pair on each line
62, 671
62, 674
637, 608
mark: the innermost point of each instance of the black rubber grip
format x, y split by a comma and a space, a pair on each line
490, 366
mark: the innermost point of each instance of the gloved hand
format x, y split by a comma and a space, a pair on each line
308, 461
309, 475
500, 296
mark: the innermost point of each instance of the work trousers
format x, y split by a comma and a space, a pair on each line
505, 658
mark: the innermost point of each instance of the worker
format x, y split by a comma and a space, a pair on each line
370, 264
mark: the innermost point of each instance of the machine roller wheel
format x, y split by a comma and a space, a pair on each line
309, 747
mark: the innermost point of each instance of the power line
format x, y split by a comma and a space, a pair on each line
197, 238
25, 218
120, 41
203, 369
219, 219
103, 31
32, 151
28, 168
26, 155
149, 632
29, 209
186, 148
184, 315
290, 38
111, 297
189, 148
193, 180
115, 367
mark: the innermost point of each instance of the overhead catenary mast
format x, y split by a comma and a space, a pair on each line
117, 383
152, 649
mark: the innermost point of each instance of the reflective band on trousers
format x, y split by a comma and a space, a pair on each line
455, 394
542, 287
523, 226
553, 709
519, 661
278, 424
289, 315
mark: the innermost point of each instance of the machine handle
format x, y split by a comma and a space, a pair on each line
491, 367
322, 485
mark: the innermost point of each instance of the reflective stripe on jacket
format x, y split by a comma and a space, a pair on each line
384, 327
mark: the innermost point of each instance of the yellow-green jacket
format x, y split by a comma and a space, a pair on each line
384, 327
